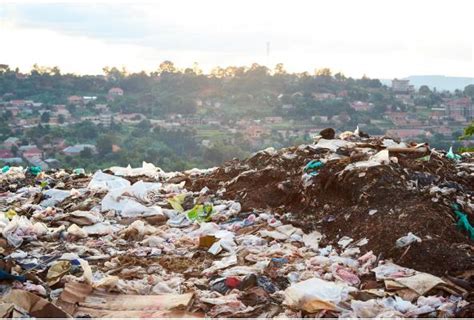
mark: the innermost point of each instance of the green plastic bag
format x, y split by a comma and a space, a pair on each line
200, 213
451, 155
79, 171
463, 223
5, 169
34, 170
313, 166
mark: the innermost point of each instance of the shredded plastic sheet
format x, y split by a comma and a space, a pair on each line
380, 158
127, 201
332, 145
54, 196
147, 170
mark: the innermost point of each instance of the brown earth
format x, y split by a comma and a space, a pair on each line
338, 204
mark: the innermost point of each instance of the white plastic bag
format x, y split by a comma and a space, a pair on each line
104, 181
53, 197
315, 294
407, 240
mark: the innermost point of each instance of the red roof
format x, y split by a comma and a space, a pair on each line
460, 102
4, 153
32, 152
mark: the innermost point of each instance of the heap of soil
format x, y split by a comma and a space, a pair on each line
337, 203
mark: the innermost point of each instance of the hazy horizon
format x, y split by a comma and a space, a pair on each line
381, 40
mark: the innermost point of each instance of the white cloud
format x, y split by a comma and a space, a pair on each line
378, 38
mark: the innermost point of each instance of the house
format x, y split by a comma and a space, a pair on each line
5, 154
273, 120
30, 151
14, 110
102, 107
61, 110
8, 95
191, 120
21, 103
129, 117
87, 99
11, 141
361, 106
53, 163
461, 109
323, 96
59, 143
398, 118
255, 132
243, 123
214, 122
437, 114
405, 133
445, 131
14, 160
343, 94
114, 92
402, 86
74, 100
77, 149
105, 119
56, 145
405, 98
322, 119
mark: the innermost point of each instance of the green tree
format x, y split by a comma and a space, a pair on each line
105, 143
323, 72
7, 115
469, 91
279, 69
61, 119
45, 117
86, 153
469, 131
167, 67
424, 90
14, 150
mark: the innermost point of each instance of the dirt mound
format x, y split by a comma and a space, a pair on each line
351, 194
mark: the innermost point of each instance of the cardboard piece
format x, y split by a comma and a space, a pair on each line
80, 300
34, 305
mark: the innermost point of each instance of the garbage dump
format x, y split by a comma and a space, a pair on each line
344, 227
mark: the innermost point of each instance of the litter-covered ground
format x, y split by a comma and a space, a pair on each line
347, 227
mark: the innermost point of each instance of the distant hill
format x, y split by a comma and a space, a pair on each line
437, 81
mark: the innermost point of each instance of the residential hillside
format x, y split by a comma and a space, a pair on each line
439, 82
181, 118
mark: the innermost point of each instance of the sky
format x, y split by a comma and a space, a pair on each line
378, 38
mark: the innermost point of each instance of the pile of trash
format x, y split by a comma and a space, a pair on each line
348, 227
